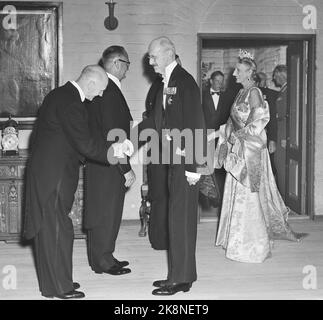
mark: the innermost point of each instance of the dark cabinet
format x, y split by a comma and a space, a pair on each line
12, 174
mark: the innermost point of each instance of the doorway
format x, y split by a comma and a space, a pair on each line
297, 52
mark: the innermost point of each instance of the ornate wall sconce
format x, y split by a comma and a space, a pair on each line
111, 22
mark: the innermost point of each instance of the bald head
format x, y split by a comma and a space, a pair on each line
161, 53
93, 80
93, 72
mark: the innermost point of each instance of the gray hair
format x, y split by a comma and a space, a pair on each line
165, 43
110, 53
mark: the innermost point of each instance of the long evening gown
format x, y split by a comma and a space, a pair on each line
253, 213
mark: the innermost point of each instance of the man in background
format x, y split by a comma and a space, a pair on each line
216, 103
280, 80
271, 128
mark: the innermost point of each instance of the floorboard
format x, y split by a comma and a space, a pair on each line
280, 277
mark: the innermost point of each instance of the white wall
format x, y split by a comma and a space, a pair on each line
225, 60
84, 39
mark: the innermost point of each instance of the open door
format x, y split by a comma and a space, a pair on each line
295, 186
297, 51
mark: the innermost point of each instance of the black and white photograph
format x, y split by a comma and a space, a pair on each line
167, 151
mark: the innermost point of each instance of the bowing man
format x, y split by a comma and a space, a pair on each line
61, 141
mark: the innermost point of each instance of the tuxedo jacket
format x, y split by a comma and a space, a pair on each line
271, 97
182, 111
110, 112
60, 140
105, 184
215, 118
150, 103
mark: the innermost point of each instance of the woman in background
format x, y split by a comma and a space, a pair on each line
253, 212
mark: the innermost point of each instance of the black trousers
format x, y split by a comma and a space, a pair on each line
54, 246
101, 245
182, 226
102, 237
158, 196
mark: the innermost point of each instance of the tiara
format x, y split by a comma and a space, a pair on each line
246, 54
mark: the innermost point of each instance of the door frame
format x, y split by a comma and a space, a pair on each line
311, 87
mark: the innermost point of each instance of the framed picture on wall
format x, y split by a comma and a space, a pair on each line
30, 56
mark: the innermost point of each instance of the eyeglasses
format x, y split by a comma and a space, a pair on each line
127, 62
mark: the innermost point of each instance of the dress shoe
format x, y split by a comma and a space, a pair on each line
76, 285
121, 263
68, 295
160, 283
115, 271
171, 289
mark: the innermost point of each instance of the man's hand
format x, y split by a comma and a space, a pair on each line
272, 146
130, 178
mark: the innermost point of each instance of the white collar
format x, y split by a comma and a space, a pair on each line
168, 71
82, 95
114, 79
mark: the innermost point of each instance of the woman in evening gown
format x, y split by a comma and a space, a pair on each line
253, 213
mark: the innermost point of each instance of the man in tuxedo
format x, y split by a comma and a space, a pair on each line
157, 175
271, 128
106, 185
216, 105
280, 80
61, 140
177, 106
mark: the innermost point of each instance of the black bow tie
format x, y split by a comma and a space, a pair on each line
215, 92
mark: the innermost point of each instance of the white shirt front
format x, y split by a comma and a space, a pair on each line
168, 71
79, 89
215, 98
114, 79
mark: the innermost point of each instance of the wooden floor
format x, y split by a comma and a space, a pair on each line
280, 277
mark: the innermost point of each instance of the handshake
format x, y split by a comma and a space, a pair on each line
122, 149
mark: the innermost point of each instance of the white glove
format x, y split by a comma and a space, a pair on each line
122, 149
117, 150
130, 178
192, 177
